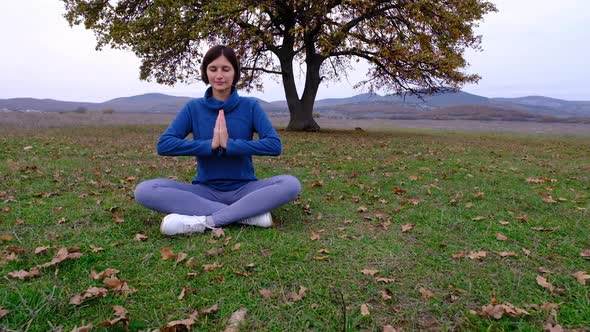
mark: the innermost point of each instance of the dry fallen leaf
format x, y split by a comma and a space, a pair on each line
581, 276
3, 312
545, 284
389, 328
96, 249
181, 325
10, 257
385, 294
140, 237
217, 232
292, 297
585, 253
39, 250
365, 310
118, 219
426, 294
227, 241
407, 227
459, 254
384, 280
551, 327
84, 328
236, 246
314, 236
210, 310
526, 252
61, 255
23, 275
106, 273
120, 317
180, 257
167, 253
191, 262
477, 254
184, 291
215, 251
118, 285
15, 249
539, 180
369, 272
496, 311
543, 229
236, 319
507, 254
266, 293
547, 198
501, 237
6, 237
479, 195
452, 298
211, 267
90, 293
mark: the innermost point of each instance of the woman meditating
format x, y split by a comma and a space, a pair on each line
225, 189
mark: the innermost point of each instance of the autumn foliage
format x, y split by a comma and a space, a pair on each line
409, 45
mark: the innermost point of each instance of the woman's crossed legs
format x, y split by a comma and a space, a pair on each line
220, 207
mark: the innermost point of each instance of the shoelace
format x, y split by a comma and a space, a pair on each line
196, 227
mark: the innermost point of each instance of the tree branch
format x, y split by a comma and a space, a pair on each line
263, 70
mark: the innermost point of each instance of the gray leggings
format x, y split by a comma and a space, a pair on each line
221, 207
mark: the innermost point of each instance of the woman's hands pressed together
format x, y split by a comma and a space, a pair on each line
220, 135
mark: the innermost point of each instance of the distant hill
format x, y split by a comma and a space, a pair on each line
451, 105
151, 102
549, 106
145, 103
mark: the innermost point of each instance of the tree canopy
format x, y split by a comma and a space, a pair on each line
411, 45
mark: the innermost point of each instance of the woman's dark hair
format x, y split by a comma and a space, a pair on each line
214, 53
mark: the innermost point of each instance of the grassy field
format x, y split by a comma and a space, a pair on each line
389, 233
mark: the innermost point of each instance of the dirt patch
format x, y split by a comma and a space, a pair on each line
574, 129
58, 120
52, 120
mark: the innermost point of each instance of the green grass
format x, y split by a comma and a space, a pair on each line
87, 176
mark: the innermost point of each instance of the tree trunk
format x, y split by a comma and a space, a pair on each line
300, 110
302, 119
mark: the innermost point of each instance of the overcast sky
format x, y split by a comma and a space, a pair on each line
530, 47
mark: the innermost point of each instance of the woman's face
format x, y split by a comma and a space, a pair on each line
220, 73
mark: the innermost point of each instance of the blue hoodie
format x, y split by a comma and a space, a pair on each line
231, 168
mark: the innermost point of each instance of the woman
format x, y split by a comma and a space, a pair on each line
225, 189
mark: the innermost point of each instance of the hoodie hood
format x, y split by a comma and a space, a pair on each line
215, 105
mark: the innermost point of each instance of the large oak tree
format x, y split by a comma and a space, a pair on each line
411, 45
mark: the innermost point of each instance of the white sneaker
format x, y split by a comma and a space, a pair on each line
174, 224
263, 220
